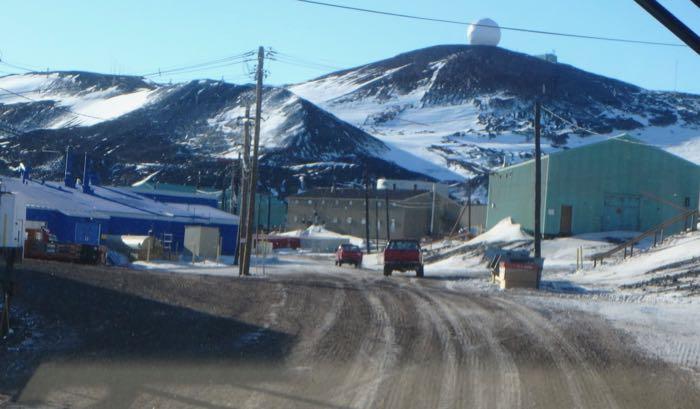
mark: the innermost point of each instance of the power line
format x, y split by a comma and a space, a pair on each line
575, 126
230, 60
519, 29
15, 66
58, 106
201, 69
299, 61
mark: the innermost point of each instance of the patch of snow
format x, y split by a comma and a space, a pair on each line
317, 231
503, 232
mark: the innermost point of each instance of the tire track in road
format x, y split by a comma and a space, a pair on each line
309, 345
446, 331
474, 329
587, 388
385, 356
376, 356
256, 398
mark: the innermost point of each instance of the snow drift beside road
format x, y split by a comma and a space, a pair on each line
503, 232
320, 232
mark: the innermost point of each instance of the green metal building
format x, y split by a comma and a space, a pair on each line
617, 184
270, 212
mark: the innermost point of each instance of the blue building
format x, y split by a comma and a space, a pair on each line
80, 215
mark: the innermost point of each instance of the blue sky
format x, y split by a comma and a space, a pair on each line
134, 37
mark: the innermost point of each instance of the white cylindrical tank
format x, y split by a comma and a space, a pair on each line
484, 32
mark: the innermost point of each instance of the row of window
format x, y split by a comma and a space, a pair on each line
348, 220
336, 202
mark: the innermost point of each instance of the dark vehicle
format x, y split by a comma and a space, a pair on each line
403, 255
348, 253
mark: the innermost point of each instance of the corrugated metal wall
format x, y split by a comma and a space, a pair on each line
511, 194
606, 185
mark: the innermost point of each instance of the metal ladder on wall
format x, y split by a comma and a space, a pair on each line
168, 244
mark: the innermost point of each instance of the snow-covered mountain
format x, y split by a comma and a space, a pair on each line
132, 128
469, 108
444, 112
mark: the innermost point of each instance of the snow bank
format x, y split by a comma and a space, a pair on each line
503, 232
560, 253
320, 232
678, 249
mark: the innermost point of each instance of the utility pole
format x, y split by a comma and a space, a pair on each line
367, 239
432, 215
469, 207
269, 211
254, 165
376, 221
538, 183
245, 174
386, 207
233, 187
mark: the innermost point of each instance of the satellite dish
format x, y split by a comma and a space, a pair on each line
484, 32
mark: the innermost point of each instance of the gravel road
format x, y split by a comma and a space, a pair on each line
304, 336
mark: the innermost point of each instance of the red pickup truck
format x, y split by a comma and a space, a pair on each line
403, 255
348, 253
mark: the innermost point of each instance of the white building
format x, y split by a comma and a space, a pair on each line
402, 184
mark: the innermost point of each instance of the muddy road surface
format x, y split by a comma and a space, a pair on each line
306, 336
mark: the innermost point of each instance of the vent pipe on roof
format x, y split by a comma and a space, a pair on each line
86, 175
26, 172
68, 178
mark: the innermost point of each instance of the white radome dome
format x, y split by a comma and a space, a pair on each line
484, 32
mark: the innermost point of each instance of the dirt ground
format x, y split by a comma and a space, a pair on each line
113, 338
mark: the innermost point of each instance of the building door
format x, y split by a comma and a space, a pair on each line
87, 233
621, 212
565, 221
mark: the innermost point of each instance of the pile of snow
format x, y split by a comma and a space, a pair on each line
320, 232
224, 267
503, 232
641, 267
560, 253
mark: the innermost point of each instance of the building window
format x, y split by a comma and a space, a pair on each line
393, 224
349, 220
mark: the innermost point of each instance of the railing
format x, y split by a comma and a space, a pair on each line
656, 231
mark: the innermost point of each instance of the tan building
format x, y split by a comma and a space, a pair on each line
343, 210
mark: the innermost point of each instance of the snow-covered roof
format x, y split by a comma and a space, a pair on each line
399, 194
106, 202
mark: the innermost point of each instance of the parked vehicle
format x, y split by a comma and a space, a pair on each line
348, 253
42, 244
403, 255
